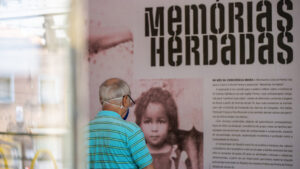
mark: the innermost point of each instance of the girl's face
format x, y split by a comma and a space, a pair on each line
155, 124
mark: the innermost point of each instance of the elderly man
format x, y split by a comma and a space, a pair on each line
114, 142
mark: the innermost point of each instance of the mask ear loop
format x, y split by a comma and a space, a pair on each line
114, 104
122, 103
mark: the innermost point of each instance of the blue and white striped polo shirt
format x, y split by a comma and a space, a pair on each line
116, 143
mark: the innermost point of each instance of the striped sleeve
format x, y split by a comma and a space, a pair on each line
138, 148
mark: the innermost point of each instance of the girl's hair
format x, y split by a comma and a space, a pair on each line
164, 97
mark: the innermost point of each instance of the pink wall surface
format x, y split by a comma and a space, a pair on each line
116, 60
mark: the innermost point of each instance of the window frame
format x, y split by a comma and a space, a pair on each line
11, 98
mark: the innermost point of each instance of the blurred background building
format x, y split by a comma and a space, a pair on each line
38, 57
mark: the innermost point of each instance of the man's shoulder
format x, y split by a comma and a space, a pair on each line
116, 123
133, 126
125, 125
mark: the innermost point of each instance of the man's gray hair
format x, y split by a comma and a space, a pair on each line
113, 88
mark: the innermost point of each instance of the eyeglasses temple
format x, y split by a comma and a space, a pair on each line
131, 99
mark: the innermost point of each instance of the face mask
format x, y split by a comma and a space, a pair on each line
126, 115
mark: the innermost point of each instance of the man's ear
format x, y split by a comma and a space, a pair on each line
125, 101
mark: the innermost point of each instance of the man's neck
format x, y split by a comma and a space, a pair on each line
112, 108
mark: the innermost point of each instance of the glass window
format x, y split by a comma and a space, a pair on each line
6, 89
37, 125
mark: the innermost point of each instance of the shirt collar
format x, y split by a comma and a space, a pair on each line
108, 113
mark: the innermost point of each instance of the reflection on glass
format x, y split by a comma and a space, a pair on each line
6, 89
35, 121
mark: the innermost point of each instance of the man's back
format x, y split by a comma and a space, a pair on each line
115, 143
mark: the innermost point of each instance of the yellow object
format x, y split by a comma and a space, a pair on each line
37, 155
5, 162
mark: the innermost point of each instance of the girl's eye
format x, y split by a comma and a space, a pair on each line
147, 121
162, 121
